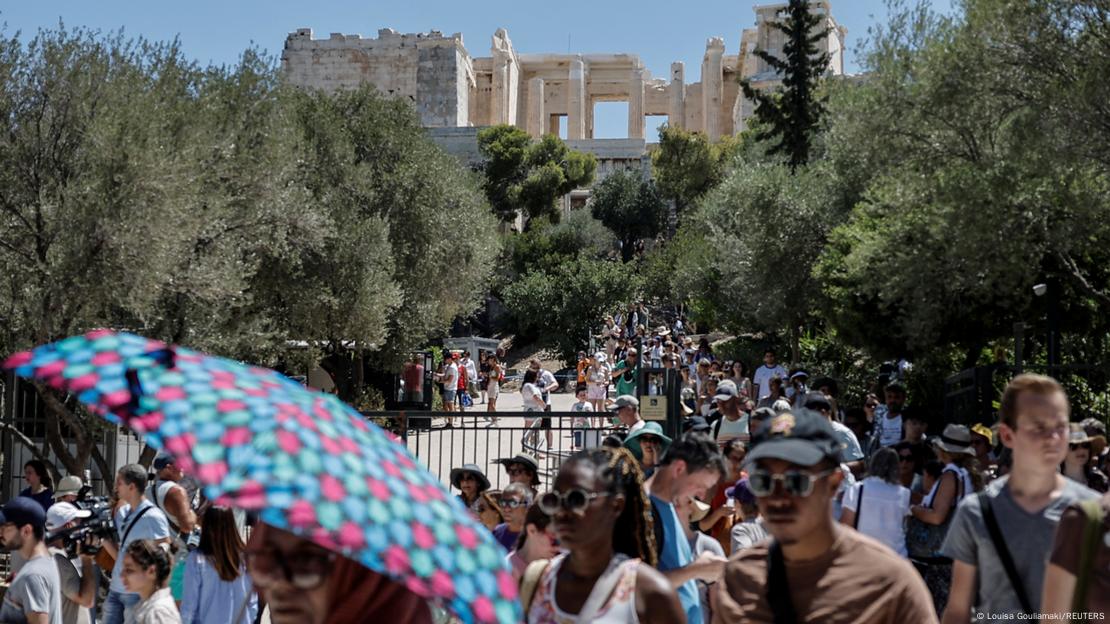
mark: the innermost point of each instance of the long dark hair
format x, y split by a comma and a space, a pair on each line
221, 543
40, 469
619, 473
530, 376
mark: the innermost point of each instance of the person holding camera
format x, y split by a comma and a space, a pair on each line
136, 519
34, 596
78, 577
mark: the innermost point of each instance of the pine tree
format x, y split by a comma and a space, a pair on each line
791, 114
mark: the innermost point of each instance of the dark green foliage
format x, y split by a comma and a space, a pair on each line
629, 206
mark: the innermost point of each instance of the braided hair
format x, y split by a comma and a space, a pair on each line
620, 473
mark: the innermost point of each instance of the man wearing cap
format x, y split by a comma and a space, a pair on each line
170, 497
627, 410
35, 594
450, 380
813, 570
136, 519
78, 578
733, 422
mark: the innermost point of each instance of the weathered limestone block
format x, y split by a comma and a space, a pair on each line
677, 115
536, 118
711, 87
576, 100
636, 104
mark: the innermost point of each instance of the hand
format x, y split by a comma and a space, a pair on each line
710, 567
91, 547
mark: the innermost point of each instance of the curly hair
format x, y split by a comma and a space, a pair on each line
620, 473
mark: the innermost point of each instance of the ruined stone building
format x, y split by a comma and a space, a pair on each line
456, 93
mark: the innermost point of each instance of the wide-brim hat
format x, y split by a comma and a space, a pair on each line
983, 431
527, 460
457, 473
662, 331
955, 439
632, 442
70, 484
700, 511
1079, 435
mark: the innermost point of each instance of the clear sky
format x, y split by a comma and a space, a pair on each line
660, 32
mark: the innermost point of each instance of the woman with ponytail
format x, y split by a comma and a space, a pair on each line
601, 515
146, 567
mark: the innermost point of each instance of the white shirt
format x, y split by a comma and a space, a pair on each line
890, 429
730, 429
545, 380
451, 377
885, 507
471, 370
763, 376
529, 392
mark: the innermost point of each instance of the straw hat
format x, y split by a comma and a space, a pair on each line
1078, 435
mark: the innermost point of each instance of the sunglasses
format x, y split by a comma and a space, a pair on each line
304, 571
517, 470
794, 482
905, 458
512, 503
1084, 445
467, 477
649, 440
574, 501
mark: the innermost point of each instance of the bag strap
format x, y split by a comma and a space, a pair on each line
778, 590
1092, 535
859, 507
530, 581
131, 525
1003, 552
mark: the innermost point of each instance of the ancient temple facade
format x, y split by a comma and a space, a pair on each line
452, 89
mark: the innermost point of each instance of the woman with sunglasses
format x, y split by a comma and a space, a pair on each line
514, 505
216, 582
470, 481
536, 541
303, 583
602, 517
1077, 463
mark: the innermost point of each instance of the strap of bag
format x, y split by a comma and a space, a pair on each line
859, 507
778, 590
131, 525
1092, 535
1003, 552
530, 581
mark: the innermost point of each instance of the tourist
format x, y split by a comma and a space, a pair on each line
412, 375
547, 384
798, 389
146, 569
692, 511
450, 380
597, 382
470, 481
982, 442
626, 409
487, 510
656, 352
514, 503
69, 488
493, 385
36, 593
462, 390
648, 444
532, 399
627, 372
1077, 464
738, 374
750, 530
888, 418
483, 375
467, 364
870, 407
770, 369
40, 485
1075, 581
851, 453
582, 422
691, 466
537, 541
759, 416
1097, 430
909, 475
733, 421
856, 421
932, 518
524, 469
216, 581
136, 519
303, 583
77, 577
878, 505
718, 522
706, 400
172, 500
835, 574
599, 513
1024, 506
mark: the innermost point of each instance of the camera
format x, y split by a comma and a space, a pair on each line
99, 524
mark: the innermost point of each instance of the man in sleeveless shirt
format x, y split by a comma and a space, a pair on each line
171, 497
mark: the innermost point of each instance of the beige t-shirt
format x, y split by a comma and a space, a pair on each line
857, 580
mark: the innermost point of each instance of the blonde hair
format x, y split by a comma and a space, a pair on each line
1025, 383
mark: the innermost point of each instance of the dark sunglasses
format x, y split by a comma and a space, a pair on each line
574, 501
466, 476
905, 458
517, 470
649, 440
512, 503
304, 571
1083, 445
794, 482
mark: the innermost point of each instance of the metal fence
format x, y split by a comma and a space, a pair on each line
473, 438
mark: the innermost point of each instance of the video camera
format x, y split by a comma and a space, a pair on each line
98, 524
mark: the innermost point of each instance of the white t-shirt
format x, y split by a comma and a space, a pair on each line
529, 392
763, 376
545, 380
890, 429
885, 507
657, 356
471, 371
584, 406
730, 429
451, 377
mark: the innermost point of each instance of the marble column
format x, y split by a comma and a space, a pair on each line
676, 115
576, 100
636, 104
535, 108
712, 87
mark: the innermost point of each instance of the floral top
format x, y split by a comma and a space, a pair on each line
619, 608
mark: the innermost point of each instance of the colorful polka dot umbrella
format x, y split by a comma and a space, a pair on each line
312, 465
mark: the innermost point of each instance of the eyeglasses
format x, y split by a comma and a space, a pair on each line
905, 458
512, 503
574, 501
1083, 445
794, 482
304, 571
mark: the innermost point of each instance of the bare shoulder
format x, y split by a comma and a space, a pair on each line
650, 581
655, 600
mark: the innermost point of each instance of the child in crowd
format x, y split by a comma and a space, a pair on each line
581, 423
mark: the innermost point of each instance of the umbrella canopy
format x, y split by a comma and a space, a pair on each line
312, 465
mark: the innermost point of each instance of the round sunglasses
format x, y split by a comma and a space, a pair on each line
574, 501
794, 482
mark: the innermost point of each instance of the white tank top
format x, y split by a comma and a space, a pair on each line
618, 608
